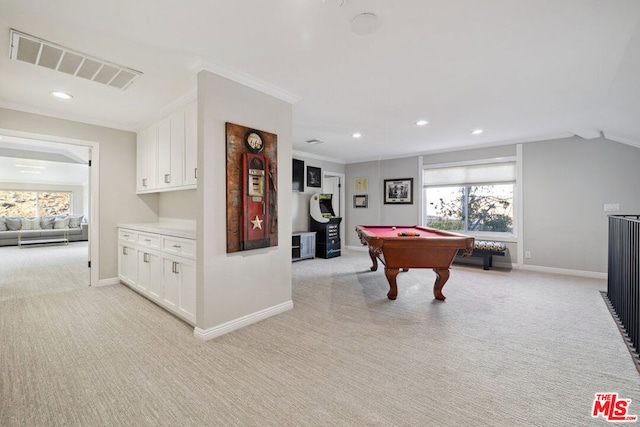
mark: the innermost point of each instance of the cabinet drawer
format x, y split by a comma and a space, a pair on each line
149, 240
178, 246
125, 235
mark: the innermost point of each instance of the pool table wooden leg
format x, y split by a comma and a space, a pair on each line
374, 259
442, 275
391, 274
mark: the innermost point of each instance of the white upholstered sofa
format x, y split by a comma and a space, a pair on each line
46, 228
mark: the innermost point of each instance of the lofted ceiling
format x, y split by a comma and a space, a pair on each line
519, 70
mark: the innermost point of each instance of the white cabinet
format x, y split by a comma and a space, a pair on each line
303, 245
146, 161
161, 267
179, 285
127, 263
149, 278
167, 153
191, 145
171, 150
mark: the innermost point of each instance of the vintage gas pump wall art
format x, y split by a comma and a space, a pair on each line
252, 192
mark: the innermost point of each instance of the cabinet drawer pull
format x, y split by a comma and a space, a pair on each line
195, 173
144, 182
177, 246
174, 267
147, 240
146, 258
125, 250
167, 178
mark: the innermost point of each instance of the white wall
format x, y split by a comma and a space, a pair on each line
178, 206
237, 285
566, 184
378, 213
118, 201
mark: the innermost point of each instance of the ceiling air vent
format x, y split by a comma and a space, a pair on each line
33, 50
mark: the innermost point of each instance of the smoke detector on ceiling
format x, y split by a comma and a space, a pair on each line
365, 23
315, 141
338, 3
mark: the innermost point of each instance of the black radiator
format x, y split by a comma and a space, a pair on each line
623, 283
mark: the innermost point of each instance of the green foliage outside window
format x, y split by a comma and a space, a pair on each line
34, 203
487, 208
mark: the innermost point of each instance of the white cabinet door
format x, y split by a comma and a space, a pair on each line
179, 286
146, 160
171, 283
149, 274
164, 153
127, 264
171, 150
187, 290
177, 148
191, 144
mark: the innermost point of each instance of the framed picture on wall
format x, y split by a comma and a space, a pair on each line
398, 191
361, 184
361, 201
314, 177
298, 176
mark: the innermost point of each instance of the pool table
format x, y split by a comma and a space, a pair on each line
404, 247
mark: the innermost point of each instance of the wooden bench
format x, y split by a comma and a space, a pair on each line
486, 250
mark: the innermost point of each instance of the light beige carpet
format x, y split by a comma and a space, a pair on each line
505, 349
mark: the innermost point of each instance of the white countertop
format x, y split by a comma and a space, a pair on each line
160, 228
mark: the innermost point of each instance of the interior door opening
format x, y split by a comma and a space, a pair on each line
46, 164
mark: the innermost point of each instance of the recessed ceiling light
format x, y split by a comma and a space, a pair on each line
477, 131
422, 122
356, 135
61, 95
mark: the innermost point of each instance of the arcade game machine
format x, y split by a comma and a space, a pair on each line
326, 225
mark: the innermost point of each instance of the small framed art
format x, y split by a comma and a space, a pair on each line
361, 184
361, 201
398, 191
314, 177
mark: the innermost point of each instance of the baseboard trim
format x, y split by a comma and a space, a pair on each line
108, 282
225, 328
536, 268
563, 271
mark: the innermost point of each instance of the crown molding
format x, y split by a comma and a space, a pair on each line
622, 139
72, 118
246, 80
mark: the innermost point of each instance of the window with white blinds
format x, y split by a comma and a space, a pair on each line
471, 198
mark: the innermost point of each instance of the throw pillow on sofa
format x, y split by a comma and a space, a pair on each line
14, 223
46, 222
3, 223
61, 223
31, 224
75, 220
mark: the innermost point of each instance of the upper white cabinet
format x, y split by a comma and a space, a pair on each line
147, 165
168, 151
191, 145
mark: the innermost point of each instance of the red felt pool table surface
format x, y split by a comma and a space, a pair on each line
421, 247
